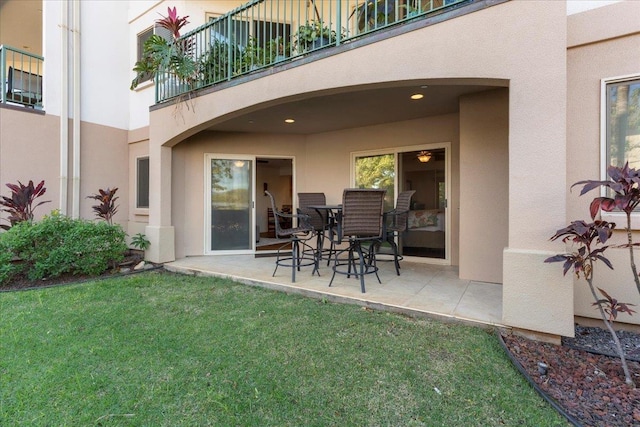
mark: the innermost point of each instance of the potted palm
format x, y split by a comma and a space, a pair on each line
173, 57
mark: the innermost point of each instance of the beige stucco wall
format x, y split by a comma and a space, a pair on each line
188, 172
29, 151
321, 164
104, 165
484, 189
598, 50
495, 46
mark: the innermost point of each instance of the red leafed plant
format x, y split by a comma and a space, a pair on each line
624, 182
612, 306
173, 22
20, 205
107, 207
585, 236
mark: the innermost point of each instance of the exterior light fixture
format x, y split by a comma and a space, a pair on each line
417, 96
289, 121
424, 156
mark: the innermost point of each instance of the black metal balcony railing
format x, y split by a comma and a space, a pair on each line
262, 33
20, 77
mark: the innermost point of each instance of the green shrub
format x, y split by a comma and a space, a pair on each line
8, 269
58, 245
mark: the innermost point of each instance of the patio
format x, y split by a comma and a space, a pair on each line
421, 289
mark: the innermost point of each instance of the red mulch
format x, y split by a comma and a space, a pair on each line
589, 387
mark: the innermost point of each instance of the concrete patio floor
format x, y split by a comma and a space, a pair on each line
421, 289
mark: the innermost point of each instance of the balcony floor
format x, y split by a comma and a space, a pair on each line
421, 289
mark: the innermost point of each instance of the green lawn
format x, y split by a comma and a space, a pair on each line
158, 349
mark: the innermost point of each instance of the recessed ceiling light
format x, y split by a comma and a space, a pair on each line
289, 120
417, 96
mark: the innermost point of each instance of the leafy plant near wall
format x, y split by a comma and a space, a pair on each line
278, 49
624, 186
624, 183
140, 242
586, 236
107, 207
214, 64
253, 56
224, 59
174, 57
20, 205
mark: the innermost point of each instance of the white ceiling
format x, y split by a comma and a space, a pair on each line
364, 106
21, 25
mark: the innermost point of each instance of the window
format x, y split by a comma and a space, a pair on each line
142, 182
265, 31
144, 36
238, 35
243, 28
621, 121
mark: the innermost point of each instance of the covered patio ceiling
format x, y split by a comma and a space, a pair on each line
364, 106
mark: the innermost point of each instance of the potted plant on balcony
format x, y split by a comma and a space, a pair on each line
278, 49
214, 64
373, 14
314, 34
173, 57
252, 56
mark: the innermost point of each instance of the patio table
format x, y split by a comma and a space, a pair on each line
332, 213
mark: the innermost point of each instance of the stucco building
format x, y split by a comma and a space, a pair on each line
515, 107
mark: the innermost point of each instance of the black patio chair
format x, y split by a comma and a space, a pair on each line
395, 223
302, 254
360, 223
320, 220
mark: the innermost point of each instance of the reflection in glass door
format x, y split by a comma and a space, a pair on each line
230, 208
423, 171
377, 171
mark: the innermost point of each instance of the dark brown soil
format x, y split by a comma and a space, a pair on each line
589, 387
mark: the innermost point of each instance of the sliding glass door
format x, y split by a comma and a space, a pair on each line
424, 170
229, 203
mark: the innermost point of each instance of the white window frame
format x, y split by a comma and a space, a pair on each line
617, 217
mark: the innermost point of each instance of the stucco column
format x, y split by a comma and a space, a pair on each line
160, 231
536, 296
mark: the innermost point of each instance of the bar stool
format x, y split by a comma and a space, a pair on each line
360, 222
298, 236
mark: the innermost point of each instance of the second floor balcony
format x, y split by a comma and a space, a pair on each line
21, 76
264, 33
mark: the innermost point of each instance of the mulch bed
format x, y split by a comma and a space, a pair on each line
589, 388
21, 282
